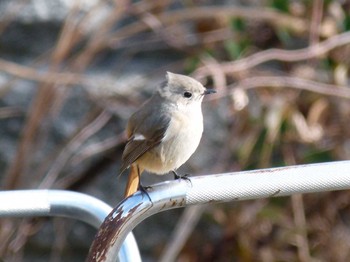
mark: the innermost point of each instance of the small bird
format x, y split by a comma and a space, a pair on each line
165, 131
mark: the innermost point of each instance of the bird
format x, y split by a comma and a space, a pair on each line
165, 131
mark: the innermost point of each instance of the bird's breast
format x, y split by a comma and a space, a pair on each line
181, 139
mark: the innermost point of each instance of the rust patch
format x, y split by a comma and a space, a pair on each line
276, 193
271, 170
108, 232
173, 203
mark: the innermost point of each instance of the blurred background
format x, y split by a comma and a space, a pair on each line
72, 72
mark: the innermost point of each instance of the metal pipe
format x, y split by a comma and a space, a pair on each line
273, 182
82, 207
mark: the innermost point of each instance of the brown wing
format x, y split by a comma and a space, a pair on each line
150, 122
136, 148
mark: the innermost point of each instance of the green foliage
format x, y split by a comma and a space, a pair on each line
281, 5
237, 24
315, 155
191, 63
233, 49
347, 22
273, 210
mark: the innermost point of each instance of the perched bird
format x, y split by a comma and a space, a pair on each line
165, 131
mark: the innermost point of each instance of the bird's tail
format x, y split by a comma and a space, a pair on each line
133, 180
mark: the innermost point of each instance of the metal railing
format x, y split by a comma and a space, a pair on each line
273, 182
61, 203
114, 239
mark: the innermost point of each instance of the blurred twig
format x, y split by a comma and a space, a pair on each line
10, 111
30, 73
299, 216
290, 82
316, 19
12, 8
300, 223
40, 109
294, 82
75, 181
184, 227
265, 14
72, 146
99, 38
219, 78
97, 148
196, 13
280, 55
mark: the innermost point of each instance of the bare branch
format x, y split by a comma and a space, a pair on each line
196, 13
72, 146
32, 74
292, 82
280, 55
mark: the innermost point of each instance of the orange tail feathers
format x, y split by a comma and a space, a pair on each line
133, 180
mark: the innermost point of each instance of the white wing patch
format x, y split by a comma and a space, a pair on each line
139, 137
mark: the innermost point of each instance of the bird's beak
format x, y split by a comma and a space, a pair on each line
209, 91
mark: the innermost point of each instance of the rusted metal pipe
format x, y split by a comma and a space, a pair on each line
273, 182
62, 203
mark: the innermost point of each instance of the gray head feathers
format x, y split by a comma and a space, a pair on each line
182, 89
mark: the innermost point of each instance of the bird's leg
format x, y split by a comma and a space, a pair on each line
142, 188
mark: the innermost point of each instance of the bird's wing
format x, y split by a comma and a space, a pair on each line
148, 135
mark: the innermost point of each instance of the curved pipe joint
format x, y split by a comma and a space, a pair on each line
273, 182
34, 203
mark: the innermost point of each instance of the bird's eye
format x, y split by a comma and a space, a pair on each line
187, 94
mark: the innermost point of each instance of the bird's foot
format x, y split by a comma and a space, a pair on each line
143, 189
185, 176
